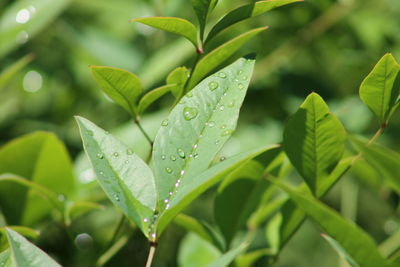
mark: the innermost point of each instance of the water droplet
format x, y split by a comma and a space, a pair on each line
166, 201
170, 193
173, 158
23, 16
116, 197
107, 132
240, 72
90, 133
145, 220
22, 37
222, 107
195, 146
226, 133
126, 161
129, 151
222, 158
181, 153
244, 78
153, 235
241, 86
116, 154
163, 157
164, 122
210, 124
168, 170
190, 94
195, 155
182, 102
101, 173
222, 75
223, 126
189, 113
100, 155
231, 104
216, 142
167, 206
182, 172
213, 85
32, 81
178, 181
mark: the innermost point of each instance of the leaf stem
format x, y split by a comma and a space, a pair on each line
153, 246
137, 121
116, 231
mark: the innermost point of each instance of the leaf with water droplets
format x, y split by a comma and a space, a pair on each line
245, 12
175, 25
24, 253
130, 186
193, 119
218, 56
153, 96
122, 86
5, 260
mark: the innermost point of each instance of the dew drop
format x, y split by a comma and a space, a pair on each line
189, 113
163, 157
182, 172
211, 124
222, 107
153, 235
226, 133
126, 161
23, 16
164, 122
244, 78
167, 206
90, 133
181, 153
213, 85
100, 155
116, 197
101, 173
222, 75
129, 151
222, 158
145, 220
216, 142
195, 155
168, 170
231, 104
173, 158
166, 201
195, 146
116, 154
241, 86
182, 102
170, 193
223, 126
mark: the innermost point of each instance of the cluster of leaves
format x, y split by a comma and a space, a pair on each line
184, 162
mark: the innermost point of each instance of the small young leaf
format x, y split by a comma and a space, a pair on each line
24, 253
171, 24
314, 140
340, 250
122, 86
197, 128
380, 89
245, 12
152, 96
219, 55
346, 233
196, 252
178, 77
203, 9
126, 179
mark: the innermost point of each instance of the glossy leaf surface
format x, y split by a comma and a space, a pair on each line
171, 24
203, 9
125, 178
380, 89
122, 86
314, 140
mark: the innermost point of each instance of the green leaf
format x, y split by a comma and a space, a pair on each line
125, 178
5, 260
25, 231
25, 254
340, 250
189, 191
178, 77
358, 244
391, 245
197, 128
203, 9
10, 71
41, 158
171, 24
245, 12
122, 86
153, 96
23, 19
385, 161
235, 195
314, 140
381, 88
196, 252
219, 55
228, 257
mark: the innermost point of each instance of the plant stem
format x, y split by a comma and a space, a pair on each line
137, 121
116, 231
153, 246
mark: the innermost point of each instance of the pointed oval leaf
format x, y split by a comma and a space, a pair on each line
178, 76
190, 191
314, 140
25, 254
122, 86
380, 89
245, 12
196, 252
197, 128
219, 55
125, 178
153, 96
203, 9
353, 239
171, 24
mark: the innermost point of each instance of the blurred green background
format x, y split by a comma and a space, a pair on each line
324, 46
